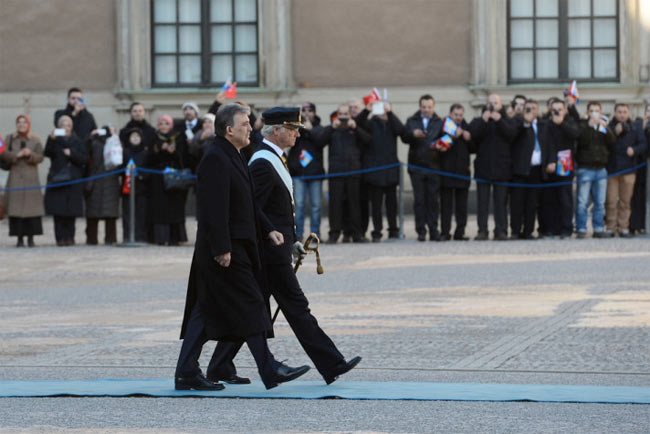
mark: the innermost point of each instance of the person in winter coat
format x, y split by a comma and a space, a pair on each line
345, 141
167, 207
306, 159
202, 139
24, 152
638, 215
492, 134
102, 194
138, 121
135, 149
381, 151
454, 192
68, 157
630, 143
420, 133
558, 141
83, 121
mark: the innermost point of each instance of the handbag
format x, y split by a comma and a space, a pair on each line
63, 175
177, 180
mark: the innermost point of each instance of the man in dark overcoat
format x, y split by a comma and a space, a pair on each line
224, 301
273, 195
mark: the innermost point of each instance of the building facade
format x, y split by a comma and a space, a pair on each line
284, 52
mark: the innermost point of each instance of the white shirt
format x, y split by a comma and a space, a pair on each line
425, 122
191, 124
273, 146
536, 158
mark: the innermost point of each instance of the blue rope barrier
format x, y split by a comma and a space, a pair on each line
519, 185
65, 183
342, 174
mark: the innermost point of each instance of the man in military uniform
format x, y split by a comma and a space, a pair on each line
224, 301
273, 194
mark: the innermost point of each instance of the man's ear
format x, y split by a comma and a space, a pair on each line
228, 130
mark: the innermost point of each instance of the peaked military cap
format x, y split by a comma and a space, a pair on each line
290, 116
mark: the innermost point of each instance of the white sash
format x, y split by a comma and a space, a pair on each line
277, 164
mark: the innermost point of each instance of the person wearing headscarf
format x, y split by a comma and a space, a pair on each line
68, 157
167, 207
24, 207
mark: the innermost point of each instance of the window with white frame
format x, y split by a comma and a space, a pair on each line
560, 40
204, 42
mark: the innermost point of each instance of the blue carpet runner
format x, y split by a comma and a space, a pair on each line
342, 389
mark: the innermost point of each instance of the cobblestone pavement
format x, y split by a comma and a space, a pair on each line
546, 311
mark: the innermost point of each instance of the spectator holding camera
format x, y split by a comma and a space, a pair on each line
306, 159
23, 154
420, 133
68, 157
454, 191
559, 136
492, 134
384, 130
592, 155
527, 157
517, 104
630, 142
102, 194
83, 121
346, 142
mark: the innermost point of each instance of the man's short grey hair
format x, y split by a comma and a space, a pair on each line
226, 117
267, 130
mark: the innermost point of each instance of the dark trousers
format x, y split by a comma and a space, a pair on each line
110, 229
141, 225
377, 195
64, 229
364, 203
500, 199
286, 291
426, 188
195, 338
558, 209
637, 218
453, 199
344, 195
524, 202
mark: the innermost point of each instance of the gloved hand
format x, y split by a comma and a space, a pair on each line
298, 251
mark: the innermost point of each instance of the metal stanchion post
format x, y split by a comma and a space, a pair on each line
401, 201
131, 169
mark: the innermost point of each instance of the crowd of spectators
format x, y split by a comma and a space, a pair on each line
526, 160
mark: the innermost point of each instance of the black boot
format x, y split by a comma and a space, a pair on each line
30, 241
20, 242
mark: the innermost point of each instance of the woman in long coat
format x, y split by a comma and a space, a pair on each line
167, 207
24, 207
69, 157
102, 194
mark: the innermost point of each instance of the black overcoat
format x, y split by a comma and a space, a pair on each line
102, 194
167, 207
456, 160
492, 141
65, 201
382, 150
82, 124
421, 153
230, 300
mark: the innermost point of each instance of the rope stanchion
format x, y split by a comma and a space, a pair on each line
65, 183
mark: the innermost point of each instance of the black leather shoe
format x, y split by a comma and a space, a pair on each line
445, 237
422, 237
461, 237
482, 236
342, 368
234, 379
198, 382
284, 373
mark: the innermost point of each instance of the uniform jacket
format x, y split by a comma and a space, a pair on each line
230, 299
23, 173
276, 209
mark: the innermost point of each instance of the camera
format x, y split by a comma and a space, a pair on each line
556, 113
490, 108
529, 109
344, 122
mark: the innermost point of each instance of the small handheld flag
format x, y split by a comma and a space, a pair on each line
385, 95
450, 127
373, 97
305, 158
443, 142
602, 129
573, 91
229, 89
564, 165
226, 85
2, 146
